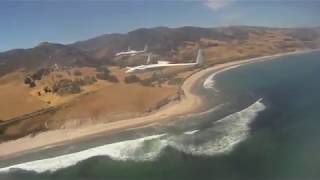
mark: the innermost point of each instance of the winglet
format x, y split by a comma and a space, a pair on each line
149, 58
200, 59
145, 48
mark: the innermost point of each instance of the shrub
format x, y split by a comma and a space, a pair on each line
47, 89
131, 79
36, 76
87, 80
32, 84
102, 69
175, 81
107, 77
66, 86
146, 82
40, 73
102, 76
27, 80
79, 81
113, 79
77, 73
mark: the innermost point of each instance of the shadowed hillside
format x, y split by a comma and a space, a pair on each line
42, 55
159, 39
164, 41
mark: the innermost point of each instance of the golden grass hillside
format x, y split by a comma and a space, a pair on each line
106, 101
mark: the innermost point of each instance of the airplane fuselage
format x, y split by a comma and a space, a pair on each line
132, 53
164, 64
156, 67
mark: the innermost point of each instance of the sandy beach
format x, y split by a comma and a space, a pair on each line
190, 103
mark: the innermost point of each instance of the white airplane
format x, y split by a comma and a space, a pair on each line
132, 52
164, 64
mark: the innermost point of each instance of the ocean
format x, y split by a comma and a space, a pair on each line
263, 122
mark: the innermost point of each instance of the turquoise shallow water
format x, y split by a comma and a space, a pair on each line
265, 124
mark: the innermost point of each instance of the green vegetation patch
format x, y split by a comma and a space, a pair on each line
175, 81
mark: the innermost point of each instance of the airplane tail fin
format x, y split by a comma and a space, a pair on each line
145, 48
200, 59
149, 58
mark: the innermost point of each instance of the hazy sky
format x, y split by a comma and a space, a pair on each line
25, 23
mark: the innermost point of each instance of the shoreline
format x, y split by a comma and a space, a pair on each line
189, 104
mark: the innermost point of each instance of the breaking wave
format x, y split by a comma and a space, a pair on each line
125, 150
191, 132
225, 133
210, 82
221, 137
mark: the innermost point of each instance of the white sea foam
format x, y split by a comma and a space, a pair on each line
224, 134
125, 150
220, 138
210, 82
191, 132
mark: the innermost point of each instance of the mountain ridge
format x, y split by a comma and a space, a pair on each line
161, 40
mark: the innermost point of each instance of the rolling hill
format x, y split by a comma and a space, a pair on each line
167, 42
39, 107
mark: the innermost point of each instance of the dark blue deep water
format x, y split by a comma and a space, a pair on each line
264, 124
